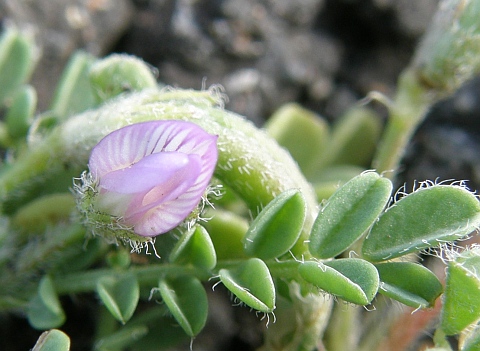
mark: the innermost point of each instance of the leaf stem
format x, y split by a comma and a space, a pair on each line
406, 113
146, 275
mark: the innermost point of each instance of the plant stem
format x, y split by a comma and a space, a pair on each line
146, 275
406, 113
343, 332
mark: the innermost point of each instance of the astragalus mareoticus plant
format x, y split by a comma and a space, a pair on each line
308, 231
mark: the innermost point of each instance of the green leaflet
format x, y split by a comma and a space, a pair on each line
122, 338
277, 227
53, 340
251, 283
303, 133
222, 222
472, 340
21, 111
46, 210
423, 219
120, 295
17, 59
462, 293
186, 299
410, 283
349, 212
151, 329
352, 279
195, 247
44, 310
328, 181
74, 94
119, 259
353, 139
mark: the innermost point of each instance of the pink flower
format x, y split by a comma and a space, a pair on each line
152, 175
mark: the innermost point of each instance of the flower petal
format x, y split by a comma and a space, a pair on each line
149, 172
130, 144
166, 192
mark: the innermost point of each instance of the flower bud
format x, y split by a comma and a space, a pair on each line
449, 53
146, 179
118, 73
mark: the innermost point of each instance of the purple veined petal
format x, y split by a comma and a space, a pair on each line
163, 218
129, 144
149, 172
168, 215
166, 192
127, 162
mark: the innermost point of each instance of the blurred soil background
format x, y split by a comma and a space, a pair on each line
324, 54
